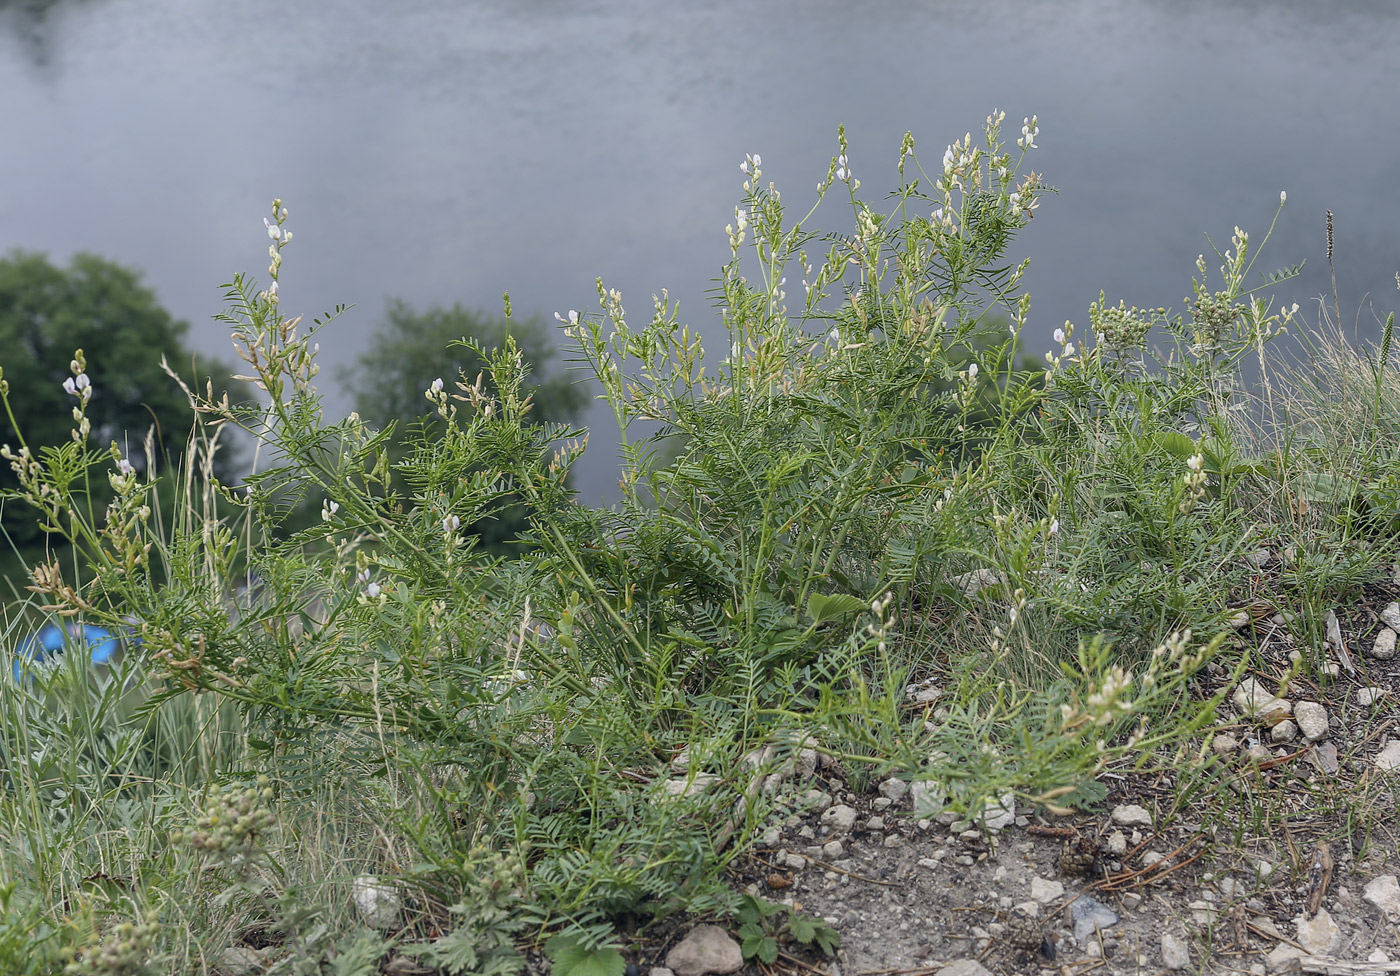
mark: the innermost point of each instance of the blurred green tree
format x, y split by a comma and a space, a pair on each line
103, 308
411, 348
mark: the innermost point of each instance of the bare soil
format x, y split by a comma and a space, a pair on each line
1242, 875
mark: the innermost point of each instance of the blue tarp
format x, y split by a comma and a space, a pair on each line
51, 640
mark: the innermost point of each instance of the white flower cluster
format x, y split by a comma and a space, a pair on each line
1195, 481
1067, 349
736, 236
78, 385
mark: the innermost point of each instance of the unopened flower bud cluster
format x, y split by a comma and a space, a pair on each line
1121, 329
126, 951
231, 822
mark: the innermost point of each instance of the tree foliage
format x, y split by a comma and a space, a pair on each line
411, 348
46, 313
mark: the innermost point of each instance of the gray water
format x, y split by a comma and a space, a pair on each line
446, 150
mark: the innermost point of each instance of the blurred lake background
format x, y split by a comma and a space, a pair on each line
452, 150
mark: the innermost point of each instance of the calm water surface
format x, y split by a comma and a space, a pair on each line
443, 150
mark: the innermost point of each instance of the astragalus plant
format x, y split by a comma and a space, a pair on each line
868, 486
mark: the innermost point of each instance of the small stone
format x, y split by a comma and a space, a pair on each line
974, 582
1282, 957
1384, 893
1045, 891
1150, 858
1001, 814
928, 862
795, 862
881, 804
1259, 752
894, 789
1390, 616
1384, 647
1366, 697
1093, 950
1259, 557
875, 823
964, 967
1256, 701
1284, 731
772, 837
1131, 815
1225, 744
689, 785
1130, 899
1088, 916
1031, 908
894, 840
1319, 935
1263, 868
1389, 757
1202, 912
1116, 844
1176, 954
927, 798
839, 818
1378, 955
660, 971
706, 949
378, 904
816, 801
1312, 720
833, 849
241, 961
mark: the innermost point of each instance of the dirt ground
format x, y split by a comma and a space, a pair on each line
1275, 869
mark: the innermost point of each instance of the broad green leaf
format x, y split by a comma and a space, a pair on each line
822, 608
572, 959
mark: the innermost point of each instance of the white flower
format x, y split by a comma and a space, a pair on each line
362, 576
1282, 197
757, 159
1069, 349
328, 510
70, 387
1054, 526
972, 371
1195, 462
273, 231
948, 160
1060, 336
571, 320
451, 524
437, 385
124, 467
372, 591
